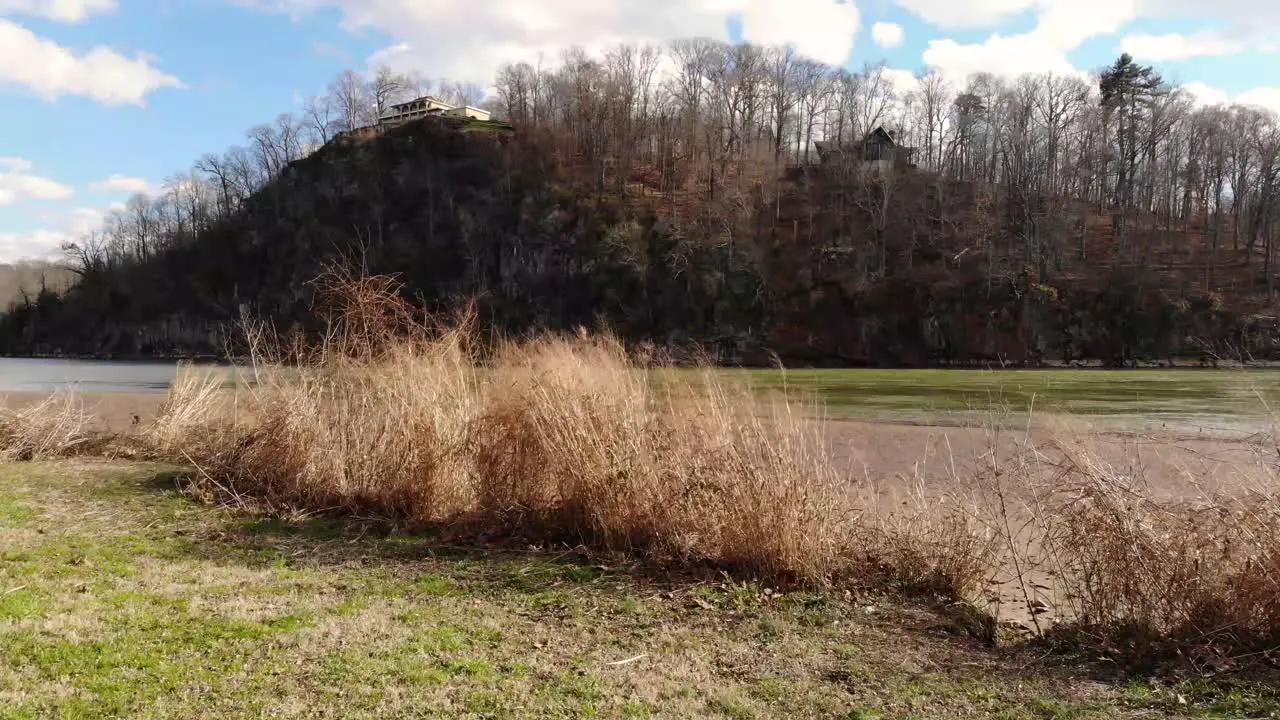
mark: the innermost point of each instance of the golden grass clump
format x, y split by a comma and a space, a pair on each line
561, 437
1088, 549
683, 463
1146, 571
57, 426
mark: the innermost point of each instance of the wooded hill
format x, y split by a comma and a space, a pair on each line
676, 195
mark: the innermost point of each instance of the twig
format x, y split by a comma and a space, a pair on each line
641, 656
11, 591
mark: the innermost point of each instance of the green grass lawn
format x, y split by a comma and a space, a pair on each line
120, 596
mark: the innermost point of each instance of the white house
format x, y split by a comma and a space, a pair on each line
429, 105
468, 111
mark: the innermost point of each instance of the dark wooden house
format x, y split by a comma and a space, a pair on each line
878, 150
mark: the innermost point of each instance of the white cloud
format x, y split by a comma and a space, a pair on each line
16, 183
821, 29
1267, 98
966, 13
15, 164
1175, 46
887, 35
122, 183
1263, 97
35, 245
1061, 26
999, 55
60, 10
1252, 23
1256, 16
902, 81
45, 243
1067, 23
51, 71
1204, 94
468, 41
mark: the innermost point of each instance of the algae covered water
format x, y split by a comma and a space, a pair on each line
1225, 398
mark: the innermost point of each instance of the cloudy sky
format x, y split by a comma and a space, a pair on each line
103, 98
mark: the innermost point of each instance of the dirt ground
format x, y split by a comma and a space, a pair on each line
114, 412
893, 456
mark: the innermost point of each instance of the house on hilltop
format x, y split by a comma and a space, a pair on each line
879, 150
426, 106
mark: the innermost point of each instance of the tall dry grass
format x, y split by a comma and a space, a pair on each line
1094, 551
55, 427
560, 437
568, 438
1145, 571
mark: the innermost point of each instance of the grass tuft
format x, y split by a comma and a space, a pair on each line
1095, 553
1199, 577
55, 427
563, 438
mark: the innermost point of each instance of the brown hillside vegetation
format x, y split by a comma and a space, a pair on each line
750, 204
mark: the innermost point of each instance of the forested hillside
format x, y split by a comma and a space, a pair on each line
677, 194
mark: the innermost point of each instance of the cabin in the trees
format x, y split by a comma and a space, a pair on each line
428, 105
879, 150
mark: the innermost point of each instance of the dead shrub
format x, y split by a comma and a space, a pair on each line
678, 463
55, 427
1142, 572
563, 437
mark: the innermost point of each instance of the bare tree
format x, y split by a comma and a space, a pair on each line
318, 115
463, 93
349, 94
386, 88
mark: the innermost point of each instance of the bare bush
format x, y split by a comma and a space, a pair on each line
55, 427
561, 437
1093, 552
1138, 569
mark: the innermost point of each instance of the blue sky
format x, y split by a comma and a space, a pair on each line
100, 98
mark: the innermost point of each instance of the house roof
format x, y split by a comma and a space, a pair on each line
882, 135
424, 98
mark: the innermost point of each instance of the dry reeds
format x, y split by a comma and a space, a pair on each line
1142, 570
561, 437
567, 438
55, 427
1091, 551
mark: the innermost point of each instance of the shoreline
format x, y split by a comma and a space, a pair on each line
1178, 363
893, 456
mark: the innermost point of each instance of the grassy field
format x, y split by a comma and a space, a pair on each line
122, 596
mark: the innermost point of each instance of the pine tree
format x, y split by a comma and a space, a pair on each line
1128, 90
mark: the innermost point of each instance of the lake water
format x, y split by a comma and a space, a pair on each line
1221, 398
40, 375
1208, 399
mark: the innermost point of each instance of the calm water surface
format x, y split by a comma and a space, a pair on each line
1203, 397
39, 375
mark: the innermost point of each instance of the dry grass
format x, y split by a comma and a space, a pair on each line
564, 438
1092, 552
1202, 573
55, 427
571, 439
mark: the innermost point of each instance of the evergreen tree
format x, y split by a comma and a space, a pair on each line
1128, 91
